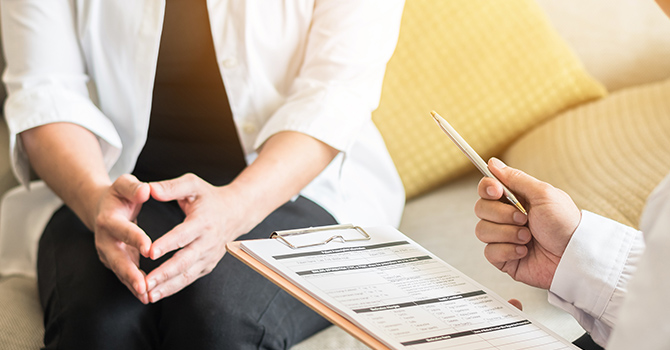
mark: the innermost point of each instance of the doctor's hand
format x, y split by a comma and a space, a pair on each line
118, 240
528, 248
214, 217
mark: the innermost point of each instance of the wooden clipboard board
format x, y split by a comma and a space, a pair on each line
332, 316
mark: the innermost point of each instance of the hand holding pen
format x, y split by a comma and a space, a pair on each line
527, 247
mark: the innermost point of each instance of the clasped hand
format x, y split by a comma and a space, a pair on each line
528, 248
199, 241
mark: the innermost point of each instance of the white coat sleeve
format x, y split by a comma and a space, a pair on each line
592, 277
643, 321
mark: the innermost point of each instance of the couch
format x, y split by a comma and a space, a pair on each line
607, 142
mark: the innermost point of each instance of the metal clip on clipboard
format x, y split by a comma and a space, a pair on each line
282, 235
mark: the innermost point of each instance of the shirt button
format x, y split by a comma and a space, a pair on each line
249, 128
229, 62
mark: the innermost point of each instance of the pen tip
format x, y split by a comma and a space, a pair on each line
521, 208
433, 113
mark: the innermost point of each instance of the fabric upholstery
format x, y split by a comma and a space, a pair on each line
493, 69
20, 314
7, 179
621, 43
3, 91
608, 155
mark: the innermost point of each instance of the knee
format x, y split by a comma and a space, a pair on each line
214, 327
274, 321
108, 324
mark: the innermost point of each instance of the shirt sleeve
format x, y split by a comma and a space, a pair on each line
339, 83
591, 280
46, 77
643, 322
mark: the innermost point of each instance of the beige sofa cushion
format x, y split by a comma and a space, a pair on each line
7, 179
608, 155
20, 314
493, 69
622, 43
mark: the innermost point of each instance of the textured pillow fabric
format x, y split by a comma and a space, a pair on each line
608, 155
493, 69
20, 314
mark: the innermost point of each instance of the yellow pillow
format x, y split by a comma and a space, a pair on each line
493, 69
607, 155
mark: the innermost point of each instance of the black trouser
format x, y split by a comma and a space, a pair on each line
586, 343
233, 307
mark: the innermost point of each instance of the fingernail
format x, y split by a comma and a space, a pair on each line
155, 295
156, 254
520, 250
490, 191
524, 235
519, 218
144, 250
151, 284
498, 163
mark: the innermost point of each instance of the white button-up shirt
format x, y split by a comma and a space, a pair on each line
311, 66
615, 280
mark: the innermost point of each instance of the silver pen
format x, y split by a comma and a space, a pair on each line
474, 157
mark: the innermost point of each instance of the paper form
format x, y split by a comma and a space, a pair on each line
404, 295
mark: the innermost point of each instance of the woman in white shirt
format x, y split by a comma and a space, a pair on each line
301, 80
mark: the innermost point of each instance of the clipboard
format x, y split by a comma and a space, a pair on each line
283, 235
389, 248
234, 249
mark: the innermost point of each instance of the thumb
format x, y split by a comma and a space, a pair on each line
516, 180
516, 304
129, 187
